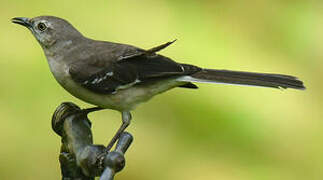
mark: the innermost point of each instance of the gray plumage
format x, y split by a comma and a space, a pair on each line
119, 76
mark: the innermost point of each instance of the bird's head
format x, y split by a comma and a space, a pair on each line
49, 30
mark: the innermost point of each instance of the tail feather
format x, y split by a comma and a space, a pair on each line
245, 78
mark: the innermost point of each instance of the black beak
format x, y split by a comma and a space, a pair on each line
22, 21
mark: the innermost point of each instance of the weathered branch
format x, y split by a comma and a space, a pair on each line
80, 159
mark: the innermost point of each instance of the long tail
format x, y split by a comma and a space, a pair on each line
244, 78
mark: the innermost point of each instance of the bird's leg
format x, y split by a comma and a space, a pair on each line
89, 110
126, 118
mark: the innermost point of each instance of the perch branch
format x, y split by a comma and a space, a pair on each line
80, 159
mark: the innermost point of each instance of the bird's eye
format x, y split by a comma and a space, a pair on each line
41, 26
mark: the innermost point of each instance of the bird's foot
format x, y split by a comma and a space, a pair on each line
126, 119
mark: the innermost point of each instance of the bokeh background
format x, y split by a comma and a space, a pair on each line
218, 132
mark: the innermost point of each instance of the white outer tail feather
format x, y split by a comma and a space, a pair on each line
195, 80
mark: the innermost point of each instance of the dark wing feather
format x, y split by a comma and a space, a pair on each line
136, 52
105, 80
106, 75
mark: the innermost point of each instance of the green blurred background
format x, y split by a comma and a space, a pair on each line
218, 132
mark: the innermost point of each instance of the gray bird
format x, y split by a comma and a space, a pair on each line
120, 76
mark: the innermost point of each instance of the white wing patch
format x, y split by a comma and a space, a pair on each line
128, 85
99, 79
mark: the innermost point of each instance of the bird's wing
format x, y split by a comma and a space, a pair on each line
134, 52
105, 75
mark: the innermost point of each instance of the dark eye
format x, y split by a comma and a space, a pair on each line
41, 26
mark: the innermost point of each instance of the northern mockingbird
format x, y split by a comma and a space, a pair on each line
120, 76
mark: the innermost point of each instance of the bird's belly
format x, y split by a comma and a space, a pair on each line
122, 100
